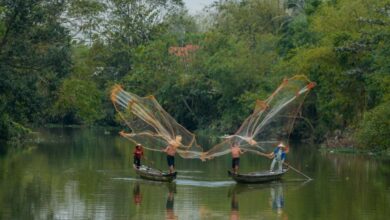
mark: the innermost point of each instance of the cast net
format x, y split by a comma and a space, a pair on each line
271, 122
151, 125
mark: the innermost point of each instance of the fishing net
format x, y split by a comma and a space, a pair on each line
151, 125
271, 122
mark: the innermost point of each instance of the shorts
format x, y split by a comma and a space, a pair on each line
171, 160
235, 162
137, 162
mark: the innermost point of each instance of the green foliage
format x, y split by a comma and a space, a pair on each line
4, 121
8, 128
374, 130
79, 101
296, 34
85, 16
34, 57
247, 49
349, 41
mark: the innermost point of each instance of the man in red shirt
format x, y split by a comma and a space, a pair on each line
138, 154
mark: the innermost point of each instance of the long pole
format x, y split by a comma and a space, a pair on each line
296, 170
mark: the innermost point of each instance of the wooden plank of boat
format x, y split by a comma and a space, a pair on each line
257, 177
154, 174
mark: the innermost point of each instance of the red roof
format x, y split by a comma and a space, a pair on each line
183, 51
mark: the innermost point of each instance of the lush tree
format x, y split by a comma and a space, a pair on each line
84, 18
79, 101
374, 129
34, 57
342, 58
207, 76
131, 24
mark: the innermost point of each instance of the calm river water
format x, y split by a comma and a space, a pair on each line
86, 174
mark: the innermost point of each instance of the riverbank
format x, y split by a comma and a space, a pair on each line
353, 150
344, 142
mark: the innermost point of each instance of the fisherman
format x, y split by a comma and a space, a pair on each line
278, 156
236, 152
170, 150
138, 154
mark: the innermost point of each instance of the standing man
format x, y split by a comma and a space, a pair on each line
138, 154
236, 152
170, 150
278, 156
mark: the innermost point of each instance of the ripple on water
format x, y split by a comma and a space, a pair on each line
125, 178
190, 171
184, 182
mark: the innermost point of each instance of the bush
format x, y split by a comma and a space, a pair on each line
4, 126
10, 130
374, 130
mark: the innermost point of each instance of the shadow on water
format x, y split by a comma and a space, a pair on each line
234, 213
274, 192
211, 184
183, 180
169, 207
137, 196
170, 197
277, 198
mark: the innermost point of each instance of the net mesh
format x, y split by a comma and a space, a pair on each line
151, 125
272, 121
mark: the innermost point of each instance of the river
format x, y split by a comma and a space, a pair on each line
79, 173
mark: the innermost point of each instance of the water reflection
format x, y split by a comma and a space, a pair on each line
137, 197
277, 199
234, 213
268, 197
170, 212
81, 174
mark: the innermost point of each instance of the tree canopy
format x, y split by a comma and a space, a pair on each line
59, 59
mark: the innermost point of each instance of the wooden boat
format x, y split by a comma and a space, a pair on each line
257, 177
149, 173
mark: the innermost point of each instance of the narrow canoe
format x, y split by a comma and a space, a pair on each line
257, 177
154, 174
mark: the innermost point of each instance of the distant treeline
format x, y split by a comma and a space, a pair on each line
59, 59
